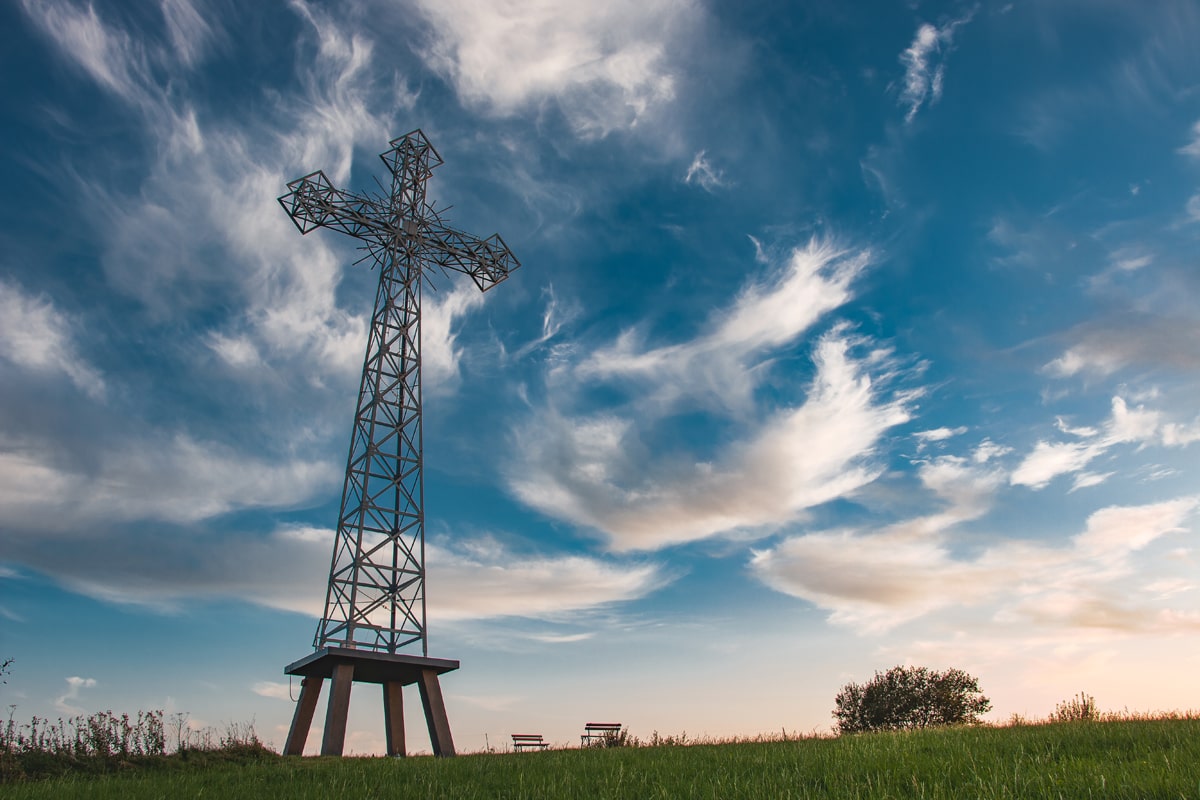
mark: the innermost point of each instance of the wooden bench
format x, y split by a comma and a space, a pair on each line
526, 741
595, 732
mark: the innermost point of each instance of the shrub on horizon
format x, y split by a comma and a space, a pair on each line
906, 698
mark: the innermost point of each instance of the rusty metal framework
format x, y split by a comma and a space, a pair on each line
376, 594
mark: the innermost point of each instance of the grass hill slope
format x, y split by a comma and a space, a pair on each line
1129, 759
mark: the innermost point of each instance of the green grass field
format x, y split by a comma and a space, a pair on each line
1131, 759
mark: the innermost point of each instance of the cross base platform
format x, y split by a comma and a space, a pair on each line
346, 665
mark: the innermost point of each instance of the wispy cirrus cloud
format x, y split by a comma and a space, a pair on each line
925, 64
595, 471
35, 336
1109, 345
925, 438
166, 477
557, 314
480, 578
1048, 460
440, 355
702, 172
211, 187
1131, 259
1192, 148
599, 471
769, 312
1146, 69
200, 229
288, 568
1193, 208
908, 576
113, 58
1126, 425
1101, 578
190, 29
274, 690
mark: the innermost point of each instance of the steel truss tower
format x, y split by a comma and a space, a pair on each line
375, 602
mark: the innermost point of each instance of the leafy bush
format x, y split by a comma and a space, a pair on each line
909, 697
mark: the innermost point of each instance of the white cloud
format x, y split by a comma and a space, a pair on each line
439, 355
172, 478
1030, 243
989, 450
189, 31
1114, 532
37, 336
1192, 148
606, 65
925, 65
869, 582
1131, 260
561, 638
712, 369
1111, 345
275, 690
939, 434
482, 579
831, 569
1193, 207
64, 703
1131, 424
111, 57
1180, 435
936, 435
1126, 425
203, 230
1067, 428
594, 472
556, 315
603, 471
877, 580
204, 226
1051, 459
288, 569
965, 486
1085, 479
704, 173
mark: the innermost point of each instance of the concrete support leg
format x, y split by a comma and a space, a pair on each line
435, 713
306, 706
339, 710
393, 717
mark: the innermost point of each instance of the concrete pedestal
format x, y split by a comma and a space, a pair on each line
344, 666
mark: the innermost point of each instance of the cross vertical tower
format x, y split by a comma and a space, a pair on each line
375, 601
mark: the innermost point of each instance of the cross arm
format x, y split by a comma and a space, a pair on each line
312, 202
488, 261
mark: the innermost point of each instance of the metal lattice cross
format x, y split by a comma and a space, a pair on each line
376, 594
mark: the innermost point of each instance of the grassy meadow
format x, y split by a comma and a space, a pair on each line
1140, 758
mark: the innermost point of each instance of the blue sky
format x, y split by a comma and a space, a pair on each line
842, 338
